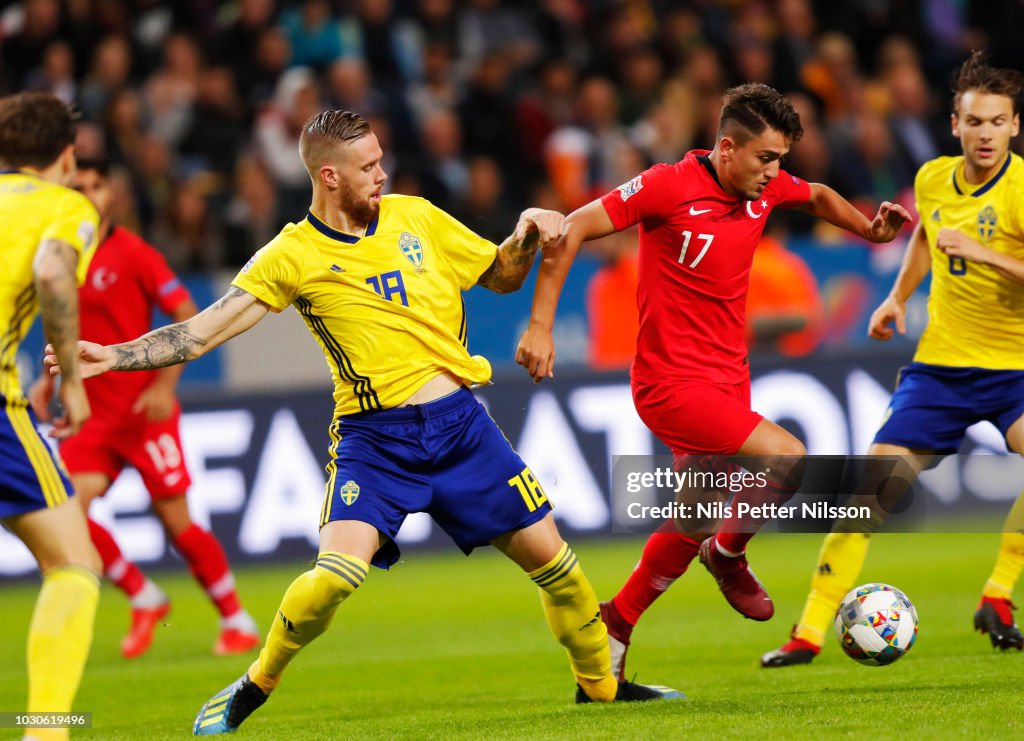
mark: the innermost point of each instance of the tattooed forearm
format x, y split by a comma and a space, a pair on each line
57, 289
161, 347
511, 264
221, 303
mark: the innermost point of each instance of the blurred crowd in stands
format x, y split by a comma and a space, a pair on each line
482, 106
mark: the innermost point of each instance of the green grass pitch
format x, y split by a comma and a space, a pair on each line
450, 647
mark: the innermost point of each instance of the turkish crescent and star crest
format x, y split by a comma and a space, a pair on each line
750, 209
410, 246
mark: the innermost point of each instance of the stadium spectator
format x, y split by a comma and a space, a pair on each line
109, 73
784, 307
253, 216
381, 47
613, 318
233, 43
487, 114
871, 172
317, 37
349, 87
545, 107
172, 89
579, 156
793, 48
909, 116
258, 77
482, 208
187, 233
25, 42
56, 75
441, 169
276, 134
438, 89
216, 127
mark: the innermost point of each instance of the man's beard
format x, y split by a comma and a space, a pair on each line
361, 211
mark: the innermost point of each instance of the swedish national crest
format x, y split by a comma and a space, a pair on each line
410, 246
987, 223
349, 492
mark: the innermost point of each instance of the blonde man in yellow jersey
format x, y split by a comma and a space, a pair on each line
49, 234
378, 281
969, 364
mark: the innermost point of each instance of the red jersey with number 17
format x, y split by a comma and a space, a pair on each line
696, 246
127, 278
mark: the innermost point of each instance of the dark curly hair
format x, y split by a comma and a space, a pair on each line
34, 129
749, 109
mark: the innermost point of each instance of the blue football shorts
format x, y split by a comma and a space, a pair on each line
446, 457
934, 405
31, 476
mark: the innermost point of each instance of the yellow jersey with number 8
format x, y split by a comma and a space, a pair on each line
975, 314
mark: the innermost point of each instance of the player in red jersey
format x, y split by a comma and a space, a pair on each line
135, 421
700, 220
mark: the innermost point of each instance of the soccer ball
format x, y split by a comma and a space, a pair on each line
876, 624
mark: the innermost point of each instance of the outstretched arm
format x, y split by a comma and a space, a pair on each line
536, 228
917, 263
536, 351
828, 205
236, 312
158, 399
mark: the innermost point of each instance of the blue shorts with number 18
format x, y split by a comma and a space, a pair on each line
447, 458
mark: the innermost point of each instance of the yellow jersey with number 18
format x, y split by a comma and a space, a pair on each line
33, 210
975, 314
386, 307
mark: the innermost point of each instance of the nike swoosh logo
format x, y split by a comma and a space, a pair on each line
696, 212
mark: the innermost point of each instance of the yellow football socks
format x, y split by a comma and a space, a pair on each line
306, 610
572, 612
1010, 561
839, 563
59, 638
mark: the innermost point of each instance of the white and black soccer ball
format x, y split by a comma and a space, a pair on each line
876, 624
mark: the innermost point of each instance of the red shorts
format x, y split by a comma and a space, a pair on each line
696, 416
153, 448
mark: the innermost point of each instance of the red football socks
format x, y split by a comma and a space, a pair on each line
666, 557
208, 564
124, 574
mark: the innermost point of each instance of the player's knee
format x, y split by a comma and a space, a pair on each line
336, 576
792, 448
173, 515
80, 554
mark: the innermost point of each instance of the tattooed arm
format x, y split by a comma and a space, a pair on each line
236, 312
53, 269
536, 228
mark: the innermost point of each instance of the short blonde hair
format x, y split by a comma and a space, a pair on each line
326, 129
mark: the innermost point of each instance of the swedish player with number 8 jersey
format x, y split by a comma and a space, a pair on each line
700, 221
378, 281
969, 364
